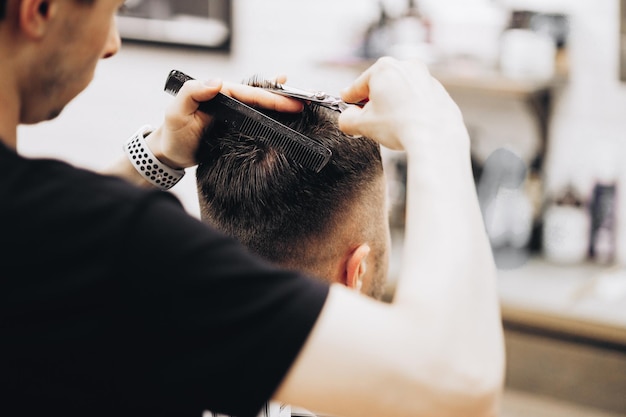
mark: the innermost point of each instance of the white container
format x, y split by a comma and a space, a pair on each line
525, 54
566, 234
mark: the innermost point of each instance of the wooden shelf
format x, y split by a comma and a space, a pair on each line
585, 302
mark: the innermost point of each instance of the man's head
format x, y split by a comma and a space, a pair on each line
53, 47
332, 224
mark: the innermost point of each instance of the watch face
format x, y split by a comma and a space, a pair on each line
204, 24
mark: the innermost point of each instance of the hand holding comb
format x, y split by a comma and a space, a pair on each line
300, 148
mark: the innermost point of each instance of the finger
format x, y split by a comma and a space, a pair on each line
194, 92
349, 121
258, 97
359, 90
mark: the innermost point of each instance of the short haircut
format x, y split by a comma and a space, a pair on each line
274, 206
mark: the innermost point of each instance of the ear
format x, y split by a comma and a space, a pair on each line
35, 16
356, 267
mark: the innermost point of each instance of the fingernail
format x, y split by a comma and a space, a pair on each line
216, 82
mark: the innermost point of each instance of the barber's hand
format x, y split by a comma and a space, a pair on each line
176, 141
407, 108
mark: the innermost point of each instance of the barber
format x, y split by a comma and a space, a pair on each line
114, 301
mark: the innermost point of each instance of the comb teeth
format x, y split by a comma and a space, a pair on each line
175, 81
301, 149
292, 146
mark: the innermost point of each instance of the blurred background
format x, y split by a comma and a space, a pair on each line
542, 86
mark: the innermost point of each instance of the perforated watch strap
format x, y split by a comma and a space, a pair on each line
144, 161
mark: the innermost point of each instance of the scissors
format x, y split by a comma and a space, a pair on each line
317, 97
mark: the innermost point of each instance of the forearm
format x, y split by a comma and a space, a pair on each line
369, 359
448, 272
437, 350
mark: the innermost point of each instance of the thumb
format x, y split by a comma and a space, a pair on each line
194, 92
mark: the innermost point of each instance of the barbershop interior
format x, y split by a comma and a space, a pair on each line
541, 85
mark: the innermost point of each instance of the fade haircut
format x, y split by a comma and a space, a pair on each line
274, 206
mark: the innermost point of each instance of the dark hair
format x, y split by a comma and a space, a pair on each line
271, 204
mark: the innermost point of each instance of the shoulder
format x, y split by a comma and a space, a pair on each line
74, 188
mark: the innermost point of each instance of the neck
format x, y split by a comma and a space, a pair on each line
8, 127
9, 106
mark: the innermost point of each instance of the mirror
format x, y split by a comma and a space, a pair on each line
198, 23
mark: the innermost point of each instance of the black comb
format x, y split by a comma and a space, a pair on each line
300, 148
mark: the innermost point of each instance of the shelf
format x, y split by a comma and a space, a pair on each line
565, 332
585, 302
460, 75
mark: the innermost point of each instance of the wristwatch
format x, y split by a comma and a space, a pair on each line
144, 161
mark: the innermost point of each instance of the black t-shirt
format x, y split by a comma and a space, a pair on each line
114, 301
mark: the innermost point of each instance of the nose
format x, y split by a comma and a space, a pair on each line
113, 42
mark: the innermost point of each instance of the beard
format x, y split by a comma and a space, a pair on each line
54, 88
53, 114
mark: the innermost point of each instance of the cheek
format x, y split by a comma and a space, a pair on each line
93, 41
